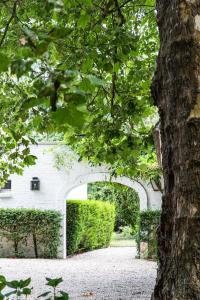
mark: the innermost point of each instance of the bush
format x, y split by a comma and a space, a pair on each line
148, 223
89, 225
30, 228
126, 200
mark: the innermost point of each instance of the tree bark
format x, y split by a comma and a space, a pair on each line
35, 245
176, 91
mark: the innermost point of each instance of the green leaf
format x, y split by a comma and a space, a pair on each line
2, 296
70, 116
30, 159
2, 282
87, 65
14, 284
4, 62
88, 2
65, 296
26, 291
74, 97
83, 20
82, 107
96, 81
54, 282
44, 294
31, 102
24, 283
61, 32
42, 47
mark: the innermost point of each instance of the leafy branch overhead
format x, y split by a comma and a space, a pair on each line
80, 68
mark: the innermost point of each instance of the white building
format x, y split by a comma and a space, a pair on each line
69, 181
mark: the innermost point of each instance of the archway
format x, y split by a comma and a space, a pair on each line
105, 176
98, 177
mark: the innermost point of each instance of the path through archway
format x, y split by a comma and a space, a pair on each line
98, 177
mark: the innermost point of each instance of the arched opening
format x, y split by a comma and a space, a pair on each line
98, 177
105, 177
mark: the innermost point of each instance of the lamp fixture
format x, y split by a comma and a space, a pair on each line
35, 184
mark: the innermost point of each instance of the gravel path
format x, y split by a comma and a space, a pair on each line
107, 274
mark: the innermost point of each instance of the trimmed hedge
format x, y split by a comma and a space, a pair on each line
30, 228
148, 223
90, 225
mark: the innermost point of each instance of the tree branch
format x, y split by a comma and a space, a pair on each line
121, 16
9, 21
113, 90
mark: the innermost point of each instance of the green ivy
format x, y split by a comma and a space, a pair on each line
89, 225
41, 228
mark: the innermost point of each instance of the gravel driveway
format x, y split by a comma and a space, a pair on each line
111, 273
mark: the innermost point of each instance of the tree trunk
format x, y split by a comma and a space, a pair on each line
176, 91
35, 245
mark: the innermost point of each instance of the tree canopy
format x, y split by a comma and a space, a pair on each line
81, 69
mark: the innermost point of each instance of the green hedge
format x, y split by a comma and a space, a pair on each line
90, 224
148, 223
25, 228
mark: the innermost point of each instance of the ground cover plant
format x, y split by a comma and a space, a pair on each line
21, 290
90, 225
40, 229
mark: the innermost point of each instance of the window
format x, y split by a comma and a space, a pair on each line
7, 186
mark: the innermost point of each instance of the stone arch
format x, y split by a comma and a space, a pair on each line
105, 177
95, 177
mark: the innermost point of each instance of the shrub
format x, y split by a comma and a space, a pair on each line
148, 223
25, 228
126, 200
89, 225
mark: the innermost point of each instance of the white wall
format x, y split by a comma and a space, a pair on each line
78, 193
50, 182
56, 185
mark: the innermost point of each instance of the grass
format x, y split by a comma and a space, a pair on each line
120, 240
122, 243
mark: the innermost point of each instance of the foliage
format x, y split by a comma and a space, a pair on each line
82, 69
148, 223
39, 228
14, 151
123, 239
63, 157
126, 233
55, 294
120, 131
89, 225
21, 289
126, 201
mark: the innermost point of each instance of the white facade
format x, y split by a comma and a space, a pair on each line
78, 193
56, 185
